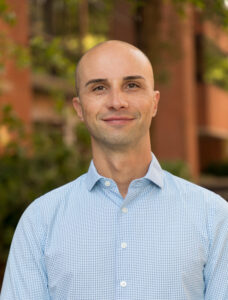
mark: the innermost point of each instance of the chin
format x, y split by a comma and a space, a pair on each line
118, 142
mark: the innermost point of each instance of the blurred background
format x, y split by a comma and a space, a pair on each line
42, 143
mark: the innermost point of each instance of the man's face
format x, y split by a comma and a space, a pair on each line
117, 99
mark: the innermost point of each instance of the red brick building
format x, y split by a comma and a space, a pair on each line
192, 121
16, 81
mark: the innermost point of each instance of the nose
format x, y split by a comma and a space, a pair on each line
117, 100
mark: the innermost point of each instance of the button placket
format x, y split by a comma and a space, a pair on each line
122, 252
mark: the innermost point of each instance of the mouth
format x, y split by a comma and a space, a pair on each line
118, 120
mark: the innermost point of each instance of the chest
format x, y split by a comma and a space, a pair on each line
153, 250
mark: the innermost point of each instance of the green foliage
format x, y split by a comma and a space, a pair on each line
217, 169
56, 41
54, 56
57, 56
181, 3
212, 9
6, 14
99, 16
8, 48
215, 65
177, 167
32, 165
61, 17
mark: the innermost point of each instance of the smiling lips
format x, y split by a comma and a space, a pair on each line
118, 120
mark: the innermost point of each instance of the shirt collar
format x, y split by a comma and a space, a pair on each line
92, 176
154, 174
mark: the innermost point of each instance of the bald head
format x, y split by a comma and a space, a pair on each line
110, 49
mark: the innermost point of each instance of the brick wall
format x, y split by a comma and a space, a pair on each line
17, 80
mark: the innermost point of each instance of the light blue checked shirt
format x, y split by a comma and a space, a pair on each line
167, 240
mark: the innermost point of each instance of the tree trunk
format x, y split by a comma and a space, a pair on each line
83, 17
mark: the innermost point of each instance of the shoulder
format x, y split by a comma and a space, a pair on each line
194, 194
44, 208
204, 208
40, 217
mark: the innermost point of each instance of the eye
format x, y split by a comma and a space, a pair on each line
132, 85
99, 88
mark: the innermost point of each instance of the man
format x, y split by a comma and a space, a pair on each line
127, 229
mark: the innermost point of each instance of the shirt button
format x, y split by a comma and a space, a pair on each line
123, 245
124, 210
107, 183
123, 283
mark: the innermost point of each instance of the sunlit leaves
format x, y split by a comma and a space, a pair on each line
215, 10
58, 56
215, 65
6, 14
92, 40
50, 56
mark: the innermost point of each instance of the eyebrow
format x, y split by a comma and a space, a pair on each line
134, 77
97, 80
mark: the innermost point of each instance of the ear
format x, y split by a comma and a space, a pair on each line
78, 107
156, 99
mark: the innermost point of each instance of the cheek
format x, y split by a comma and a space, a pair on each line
146, 108
89, 113
95, 106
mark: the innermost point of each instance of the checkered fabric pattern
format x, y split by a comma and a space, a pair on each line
167, 240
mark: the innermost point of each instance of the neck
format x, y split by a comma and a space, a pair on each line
122, 166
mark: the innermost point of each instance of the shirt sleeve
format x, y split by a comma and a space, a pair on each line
25, 275
216, 269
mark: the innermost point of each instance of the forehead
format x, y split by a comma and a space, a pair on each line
114, 62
